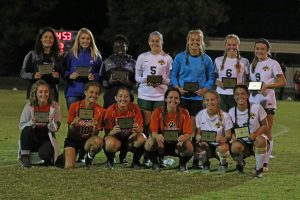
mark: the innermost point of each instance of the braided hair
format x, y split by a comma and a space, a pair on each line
237, 65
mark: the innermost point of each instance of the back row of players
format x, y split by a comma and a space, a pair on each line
192, 74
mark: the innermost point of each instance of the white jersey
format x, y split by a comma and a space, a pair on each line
266, 72
257, 114
150, 64
207, 123
230, 71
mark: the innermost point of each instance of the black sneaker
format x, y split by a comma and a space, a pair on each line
240, 167
147, 163
259, 173
110, 165
197, 164
206, 167
81, 158
183, 168
124, 162
265, 167
88, 161
25, 161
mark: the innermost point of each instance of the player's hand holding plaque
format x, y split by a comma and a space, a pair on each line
154, 80
241, 132
255, 86
208, 136
191, 86
126, 123
41, 117
45, 68
119, 75
83, 71
86, 114
229, 83
171, 135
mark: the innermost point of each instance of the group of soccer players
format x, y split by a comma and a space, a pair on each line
189, 107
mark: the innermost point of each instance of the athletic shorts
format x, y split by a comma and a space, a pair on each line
270, 111
149, 105
193, 106
227, 102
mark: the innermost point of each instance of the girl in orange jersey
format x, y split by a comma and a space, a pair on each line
85, 120
171, 131
123, 129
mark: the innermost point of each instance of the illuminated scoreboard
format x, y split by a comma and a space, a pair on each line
65, 39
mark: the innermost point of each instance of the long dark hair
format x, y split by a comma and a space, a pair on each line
38, 47
255, 59
244, 87
165, 109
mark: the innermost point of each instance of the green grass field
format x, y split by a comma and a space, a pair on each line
97, 182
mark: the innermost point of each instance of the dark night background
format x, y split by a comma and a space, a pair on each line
21, 20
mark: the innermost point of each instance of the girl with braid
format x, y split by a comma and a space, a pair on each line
230, 66
268, 71
213, 133
171, 132
193, 74
253, 119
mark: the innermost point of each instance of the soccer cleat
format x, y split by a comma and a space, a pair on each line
183, 168
124, 162
206, 167
259, 173
88, 161
265, 167
197, 164
110, 165
81, 154
240, 169
25, 161
147, 163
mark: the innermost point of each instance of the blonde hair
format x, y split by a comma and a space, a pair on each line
33, 97
219, 111
237, 65
94, 50
202, 46
158, 34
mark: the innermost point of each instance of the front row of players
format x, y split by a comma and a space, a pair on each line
239, 133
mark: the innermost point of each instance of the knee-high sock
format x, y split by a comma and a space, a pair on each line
259, 159
267, 156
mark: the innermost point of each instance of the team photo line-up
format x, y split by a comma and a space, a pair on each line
189, 107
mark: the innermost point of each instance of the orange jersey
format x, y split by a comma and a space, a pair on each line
182, 123
99, 113
113, 113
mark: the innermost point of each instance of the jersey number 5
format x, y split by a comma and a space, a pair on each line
153, 70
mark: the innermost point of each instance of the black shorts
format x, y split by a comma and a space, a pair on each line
193, 106
248, 145
78, 145
270, 111
169, 149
